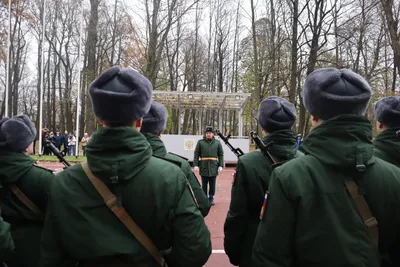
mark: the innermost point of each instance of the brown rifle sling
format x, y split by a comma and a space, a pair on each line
27, 202
111, 201
370, 222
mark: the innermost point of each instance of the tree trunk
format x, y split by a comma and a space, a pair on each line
91, 68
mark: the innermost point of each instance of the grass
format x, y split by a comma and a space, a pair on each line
55, 159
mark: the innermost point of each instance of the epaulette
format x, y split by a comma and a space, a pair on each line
43, 168
178, 156
169, 160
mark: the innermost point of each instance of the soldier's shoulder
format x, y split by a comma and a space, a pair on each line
251, 156
42, 170
178, 156
166, 171
297, 164
298, 153
169, 159
385, 167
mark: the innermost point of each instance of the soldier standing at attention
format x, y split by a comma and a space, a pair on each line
338, 204
154, 123
276, 116
212, 161
84, 223
387, 143
24, 189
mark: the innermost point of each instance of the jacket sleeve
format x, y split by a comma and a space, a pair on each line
191, 244
6, 242
220, 155
237, 217
202, 200
273, 245
51, 252
196, 154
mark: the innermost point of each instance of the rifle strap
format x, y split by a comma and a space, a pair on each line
27, 202
111, 201
370, 222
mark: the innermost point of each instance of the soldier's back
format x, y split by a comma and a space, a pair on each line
155, 196
34, 182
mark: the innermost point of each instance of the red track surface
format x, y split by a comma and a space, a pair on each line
215, 219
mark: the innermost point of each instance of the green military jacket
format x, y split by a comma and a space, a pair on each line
154, 192
311, 220
26, 226
208, 149
159, 150
7, 245
387, 146
251, 182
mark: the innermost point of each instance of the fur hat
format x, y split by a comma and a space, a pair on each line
120, 95
209, 129
387, 111
330, 92
155, 120
276, 113
16, 133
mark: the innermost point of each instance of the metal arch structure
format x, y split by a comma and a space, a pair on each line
204, 101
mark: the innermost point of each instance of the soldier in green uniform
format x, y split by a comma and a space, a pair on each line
318, 205
154, 123
212, 161
24, 189
276, 116
155, 193
387, 143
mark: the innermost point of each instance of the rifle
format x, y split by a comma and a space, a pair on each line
264, 148
237, 151
56, 152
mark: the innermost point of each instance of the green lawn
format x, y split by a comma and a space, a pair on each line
55, 159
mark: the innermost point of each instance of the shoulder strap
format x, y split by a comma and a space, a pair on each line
27, 202
370, 222
111, 201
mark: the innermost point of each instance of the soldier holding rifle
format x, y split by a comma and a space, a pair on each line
24, 189
338, 205
276, 116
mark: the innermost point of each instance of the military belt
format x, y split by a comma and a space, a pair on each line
209, 159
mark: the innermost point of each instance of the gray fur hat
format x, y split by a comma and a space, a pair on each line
120, 95
276, 113
330, 92
155, 121
387, 111
16, 133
